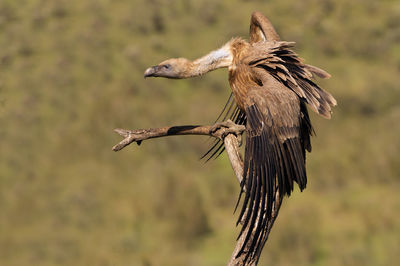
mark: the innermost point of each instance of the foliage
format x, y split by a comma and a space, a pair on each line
71, 71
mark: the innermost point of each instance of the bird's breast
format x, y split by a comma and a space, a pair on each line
241, 79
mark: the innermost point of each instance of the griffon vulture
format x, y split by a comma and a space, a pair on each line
271, 87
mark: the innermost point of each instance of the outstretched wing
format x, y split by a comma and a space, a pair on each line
261, 29
277, 134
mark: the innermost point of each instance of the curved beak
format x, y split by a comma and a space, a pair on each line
151, 71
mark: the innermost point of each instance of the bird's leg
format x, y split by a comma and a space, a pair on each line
229, 127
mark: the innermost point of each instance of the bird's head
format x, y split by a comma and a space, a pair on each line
174, 68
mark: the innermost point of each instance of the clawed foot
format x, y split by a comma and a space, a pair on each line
228, 127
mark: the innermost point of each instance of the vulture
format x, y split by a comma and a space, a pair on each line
271, 87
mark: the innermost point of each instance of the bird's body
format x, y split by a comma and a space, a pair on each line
271, 86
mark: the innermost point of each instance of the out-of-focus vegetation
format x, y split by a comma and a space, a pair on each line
71, 71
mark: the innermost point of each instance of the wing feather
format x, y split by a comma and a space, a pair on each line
284, 65
232, 112
274, 159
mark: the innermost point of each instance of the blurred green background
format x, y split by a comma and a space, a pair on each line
72, 70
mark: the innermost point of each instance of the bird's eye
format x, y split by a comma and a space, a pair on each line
167, 66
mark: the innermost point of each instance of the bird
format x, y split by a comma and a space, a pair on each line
271, 89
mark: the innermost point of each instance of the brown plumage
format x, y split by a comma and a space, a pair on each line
271, 86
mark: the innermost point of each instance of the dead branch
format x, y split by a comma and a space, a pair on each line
231, 134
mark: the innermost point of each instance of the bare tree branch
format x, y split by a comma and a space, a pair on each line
139, 135
231, 134
232, 149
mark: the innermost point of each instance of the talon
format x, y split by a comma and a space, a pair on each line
218, 126
228, 127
